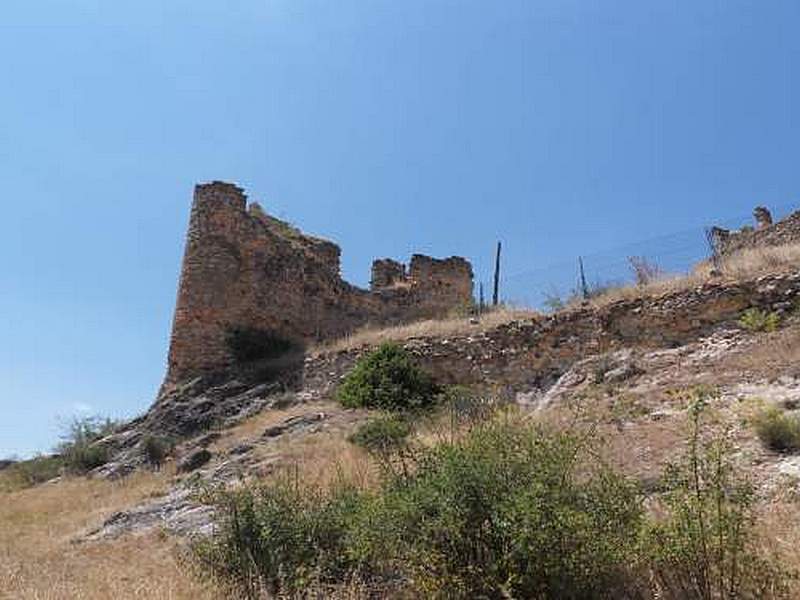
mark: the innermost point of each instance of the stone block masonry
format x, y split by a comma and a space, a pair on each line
533, 353
765, 234
243, 269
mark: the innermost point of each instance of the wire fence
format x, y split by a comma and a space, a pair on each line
673, 254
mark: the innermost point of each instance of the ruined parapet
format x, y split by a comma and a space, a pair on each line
440, 285
762, 216
387, 273
454, 271
246, 270
766, 233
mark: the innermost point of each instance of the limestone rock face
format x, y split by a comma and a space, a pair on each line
245, 269
194, 461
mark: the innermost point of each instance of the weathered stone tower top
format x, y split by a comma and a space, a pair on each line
762, 216
244, 269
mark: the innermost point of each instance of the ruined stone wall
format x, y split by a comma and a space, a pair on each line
533, 353
766, 233
245, 269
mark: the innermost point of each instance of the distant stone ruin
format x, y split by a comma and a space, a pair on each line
765, 233
245, 270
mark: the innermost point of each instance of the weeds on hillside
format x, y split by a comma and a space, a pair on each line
383, 435
705, 546
778, 431
27, 473
755, 320
645, 272
79, 449
478, 517
507, 509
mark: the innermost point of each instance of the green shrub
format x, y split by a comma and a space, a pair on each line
155, 449
79, 449
277, 539
501, 513
504, 513
778, 431
248, 344
508, 510
27, 473
382, 435
707, 546
754, 319
387, 379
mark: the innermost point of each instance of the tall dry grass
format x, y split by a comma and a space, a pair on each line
374, 335
740, 266
41, 560
743, 265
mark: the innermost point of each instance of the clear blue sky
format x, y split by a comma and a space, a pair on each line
560, 126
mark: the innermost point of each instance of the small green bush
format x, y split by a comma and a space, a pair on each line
79, 449
387, 379
754, 319
382, 435
155, 450
778, 431
248, 344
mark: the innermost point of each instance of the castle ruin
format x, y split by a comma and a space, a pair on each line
244, 269
765, 233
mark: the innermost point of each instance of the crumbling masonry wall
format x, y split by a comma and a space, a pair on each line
245, 269
766, 233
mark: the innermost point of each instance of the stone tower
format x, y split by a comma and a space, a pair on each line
245, 269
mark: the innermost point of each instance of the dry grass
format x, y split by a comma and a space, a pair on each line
740, 266
769, 355
255, 425
373, 336
39, 558
328, 457
743, 265
318, 458
780, 531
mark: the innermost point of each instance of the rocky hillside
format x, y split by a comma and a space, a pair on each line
622, 365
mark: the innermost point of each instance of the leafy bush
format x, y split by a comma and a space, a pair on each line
382, 435
778, 431
707, 546
155, 449
248, 344
79, 449
503, 512
278, 539
507, 510
754, 319
387, 379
